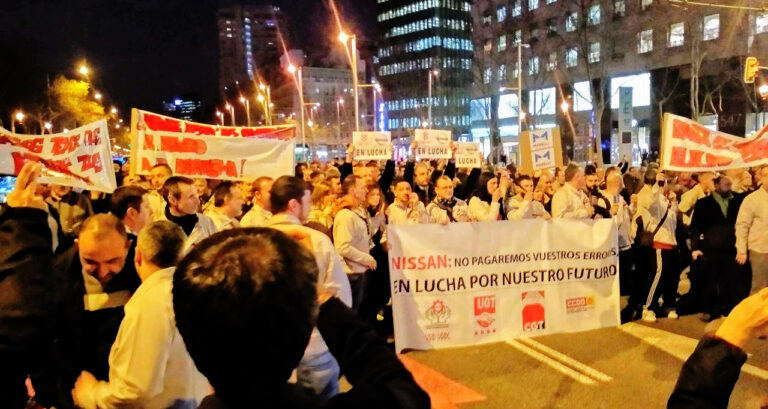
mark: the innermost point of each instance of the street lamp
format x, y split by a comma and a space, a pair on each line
114, 111
231, 110
220, 115
244, 100
376, 88
350, 46
17, 117
97, 96
83, 70
565, 106
339, 103
299, 82
429, 94
268, 102
48, 126
763, 90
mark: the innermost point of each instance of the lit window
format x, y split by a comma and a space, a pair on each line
645, 4
571, 57
761, 23
571, 21
641, 89
518, 37
508, 106
552, 26
619, 8
645, 41
487, 73
533, 66
593, 18
502, 72
487, 20
551, 1
582, 97
501, 14
517, 8
594, 53
676, 35
533, 4
711, 27
552, 62
542, 101
502, 44
515, 70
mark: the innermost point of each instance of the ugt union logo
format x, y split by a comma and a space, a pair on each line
485, 314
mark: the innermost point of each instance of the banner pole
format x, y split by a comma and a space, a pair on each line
134, 141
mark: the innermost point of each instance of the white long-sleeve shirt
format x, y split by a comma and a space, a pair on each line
570, 203
157, 205
149, 366
688, 202
460, 212
622, 218
352, 239
481, 211
221, 220
519, 208
205, 227
752, 223
256, 217
331, 277
651, 206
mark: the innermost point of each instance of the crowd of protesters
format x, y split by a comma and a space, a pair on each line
267, 291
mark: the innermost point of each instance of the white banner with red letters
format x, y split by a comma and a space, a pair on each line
690, 147
432, 144
210, 151
78, 158
468, 155
372, 145
472, 283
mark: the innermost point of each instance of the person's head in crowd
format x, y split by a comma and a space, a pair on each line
130, 204
228, 200
610, 170
180, 194
261, 188
59, 191
246, 190
723, 185
487, 184
159, 174
614, 182
402, 190
232, 290
373, 171
590, 181
335, 183
331, 172
202, 188
525, 183
649, 178
158, 247
684, 179
355, 190
374, 200
317, 177
512, 171
292, 196
745, 181
590, 169
421, 174
302, 171
574, 176
133, 180
560, 176
707, 181
545, 185
102, 247
323, 196
600, 172
763, 177
444, 188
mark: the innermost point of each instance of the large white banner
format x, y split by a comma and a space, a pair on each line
432, 144
372, 145
468, 155
472, 283
78, 158
210, 151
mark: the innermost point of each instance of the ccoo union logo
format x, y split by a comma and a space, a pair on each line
533, 311
438, 314
579, 304
485, 314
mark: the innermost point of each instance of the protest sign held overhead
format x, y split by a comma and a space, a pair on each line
210, 151
78, 158
432, 144
468, 155
471, 283
689, 146
372, 145
541, 149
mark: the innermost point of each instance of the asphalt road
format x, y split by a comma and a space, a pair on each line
633, 366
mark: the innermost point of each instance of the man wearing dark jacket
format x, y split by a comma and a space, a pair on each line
270, 299
710, 373
713, 239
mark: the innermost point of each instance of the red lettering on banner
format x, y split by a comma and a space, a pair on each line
755, 150
678, 156
88, 162
693, 133
191, 127
34, 145
149, 143
211, 168
720, 142
18, 161
65, 144
183, 145
145, 165
158, 123
92, 137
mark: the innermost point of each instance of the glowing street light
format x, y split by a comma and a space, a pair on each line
350, 46
763, 90
83, 70
565, 106
20, 116
434, 73
66, 129
48, 126
114, 111
220, 115
231, 110
299, 82
244, 100
97, 96
291, 69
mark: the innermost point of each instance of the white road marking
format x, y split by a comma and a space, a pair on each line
565, 359
577, 376
679, 346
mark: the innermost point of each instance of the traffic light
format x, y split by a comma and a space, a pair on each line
751, 68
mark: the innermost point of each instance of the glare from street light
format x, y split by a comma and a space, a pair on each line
48, 126
97, 96
310, 123
242, 99
66, 130
763, 89
291, 68
435, 72
271, 105
262, 87
565, 106
113, 110
260, 98
522, 115
120, 120
228, 107
343, 37
83, 70
19, 116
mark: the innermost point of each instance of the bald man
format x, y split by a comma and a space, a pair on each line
97, 283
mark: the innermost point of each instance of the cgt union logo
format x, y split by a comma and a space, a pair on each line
485, 314
438, 314
533, 311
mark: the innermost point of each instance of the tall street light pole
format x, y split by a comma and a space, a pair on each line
247, 103
429, 95
347, 39
339, 103
299, 81
376, 88
520, 110
18, 116
231, 110
267, 111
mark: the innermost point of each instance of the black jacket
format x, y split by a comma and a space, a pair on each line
708, 376
710, 230
379, 379
27, 304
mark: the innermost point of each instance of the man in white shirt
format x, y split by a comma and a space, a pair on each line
352, 236
291, 201
570, 202
180, 194
149, 366
227, 206
407, 208
752, 233
157, 177
131, 205
688, 199
259, 214
446, 208
527, 203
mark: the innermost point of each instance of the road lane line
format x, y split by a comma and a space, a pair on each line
567, 360
679, 346
577, 376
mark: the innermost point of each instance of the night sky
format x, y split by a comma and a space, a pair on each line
141, 51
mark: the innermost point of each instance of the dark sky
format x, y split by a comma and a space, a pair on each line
142, 51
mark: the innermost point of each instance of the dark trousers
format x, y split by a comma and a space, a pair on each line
639, 277
723, 282
665, 279
626, 265
357, 285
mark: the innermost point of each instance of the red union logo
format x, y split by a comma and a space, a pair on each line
533, 311
438, 314
485, 312
579, 304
